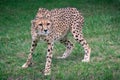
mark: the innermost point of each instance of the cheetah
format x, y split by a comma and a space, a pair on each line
54, 25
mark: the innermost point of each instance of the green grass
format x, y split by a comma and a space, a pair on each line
101, 30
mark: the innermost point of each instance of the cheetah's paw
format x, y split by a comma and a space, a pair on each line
61, 57
85, 60
25, 65
46, 74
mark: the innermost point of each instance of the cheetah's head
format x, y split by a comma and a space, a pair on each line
42, 23
42, 26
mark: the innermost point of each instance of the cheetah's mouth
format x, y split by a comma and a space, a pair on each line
43, 33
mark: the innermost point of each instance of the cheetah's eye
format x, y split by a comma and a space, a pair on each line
48, 24
40, 24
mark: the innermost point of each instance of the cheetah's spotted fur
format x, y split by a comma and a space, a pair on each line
54, 25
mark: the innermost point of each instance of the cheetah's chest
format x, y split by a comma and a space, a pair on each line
54, 36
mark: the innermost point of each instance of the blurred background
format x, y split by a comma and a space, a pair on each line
101, 30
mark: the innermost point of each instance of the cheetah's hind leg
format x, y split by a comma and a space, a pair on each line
79, 38
69, 48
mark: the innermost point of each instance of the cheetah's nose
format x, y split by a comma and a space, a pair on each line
45, 31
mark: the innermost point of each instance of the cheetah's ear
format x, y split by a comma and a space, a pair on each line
41, 12
42, 9
47, 14
32, 21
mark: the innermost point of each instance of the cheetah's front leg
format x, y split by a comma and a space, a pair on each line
48, 59
28, 62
